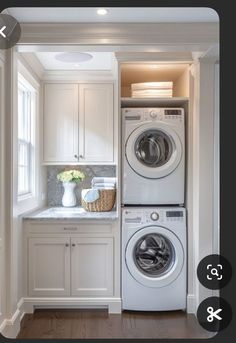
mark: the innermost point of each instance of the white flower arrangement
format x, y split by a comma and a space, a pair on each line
71, 176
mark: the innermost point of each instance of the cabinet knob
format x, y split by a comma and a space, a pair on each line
76, 156
73, 244
67, 244
81, 156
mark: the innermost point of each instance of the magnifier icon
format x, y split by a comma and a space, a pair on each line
214, 272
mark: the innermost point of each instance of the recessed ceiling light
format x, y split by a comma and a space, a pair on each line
77, 65
73, 57
102, 11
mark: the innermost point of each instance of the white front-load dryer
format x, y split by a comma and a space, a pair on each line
153, 151
154, 273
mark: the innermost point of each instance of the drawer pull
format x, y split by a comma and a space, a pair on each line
70, 228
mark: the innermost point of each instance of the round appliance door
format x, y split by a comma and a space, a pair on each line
154, 256
153, 150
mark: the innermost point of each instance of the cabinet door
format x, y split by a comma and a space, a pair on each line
49, 266
96, 122
92, 267
60, 123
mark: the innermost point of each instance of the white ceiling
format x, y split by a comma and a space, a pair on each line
100, 61
115, 14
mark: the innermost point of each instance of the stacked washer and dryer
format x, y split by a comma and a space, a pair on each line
154, 273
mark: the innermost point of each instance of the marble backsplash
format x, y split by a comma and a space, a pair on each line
55, 188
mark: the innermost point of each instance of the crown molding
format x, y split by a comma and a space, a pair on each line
33, 63
2, 56
78, 75
117, 33
148, 57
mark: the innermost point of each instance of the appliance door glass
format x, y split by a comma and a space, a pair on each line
153, 150
154, 256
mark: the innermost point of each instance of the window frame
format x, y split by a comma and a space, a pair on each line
29, 200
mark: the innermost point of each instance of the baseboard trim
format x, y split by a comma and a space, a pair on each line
191, 303
113, 304
3, 325
11, 327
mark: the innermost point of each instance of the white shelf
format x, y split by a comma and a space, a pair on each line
154, 102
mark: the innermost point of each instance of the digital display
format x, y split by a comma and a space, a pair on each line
171, 214
173, 112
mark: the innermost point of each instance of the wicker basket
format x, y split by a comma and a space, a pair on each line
105, 202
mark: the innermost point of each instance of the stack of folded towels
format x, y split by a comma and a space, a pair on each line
104, 182
92, 194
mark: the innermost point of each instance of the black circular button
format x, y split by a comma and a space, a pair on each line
10, 31
214, 314
214, 271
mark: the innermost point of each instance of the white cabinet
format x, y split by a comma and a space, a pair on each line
92, 267
78, 123
96, 122
49, 266
70, 266
60, 123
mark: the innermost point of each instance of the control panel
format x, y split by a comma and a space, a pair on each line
153, 114
153, 216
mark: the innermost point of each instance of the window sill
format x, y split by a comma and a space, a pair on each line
26, 204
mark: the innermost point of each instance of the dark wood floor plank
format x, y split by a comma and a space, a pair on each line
49, 324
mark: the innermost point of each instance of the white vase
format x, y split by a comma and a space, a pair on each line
69, 198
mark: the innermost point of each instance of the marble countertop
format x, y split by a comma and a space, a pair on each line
65, 214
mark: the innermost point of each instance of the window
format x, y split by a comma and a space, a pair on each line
26, 138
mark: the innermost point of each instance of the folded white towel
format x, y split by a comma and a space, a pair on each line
99, 184
103, 180
90, 195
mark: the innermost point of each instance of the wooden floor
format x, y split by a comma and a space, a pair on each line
99, 324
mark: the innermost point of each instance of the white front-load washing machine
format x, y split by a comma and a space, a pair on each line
154, 275
153, 150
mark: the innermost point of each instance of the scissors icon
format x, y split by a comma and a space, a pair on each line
213, 314
214, 272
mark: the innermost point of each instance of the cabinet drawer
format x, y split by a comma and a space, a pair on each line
69, 228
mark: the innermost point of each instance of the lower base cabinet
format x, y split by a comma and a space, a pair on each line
70, 266
92, 267
49, 266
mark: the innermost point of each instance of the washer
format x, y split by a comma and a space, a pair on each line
153, 156
154, 273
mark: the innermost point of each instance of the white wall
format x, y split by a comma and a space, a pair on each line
13, 212
203, 164
2, 192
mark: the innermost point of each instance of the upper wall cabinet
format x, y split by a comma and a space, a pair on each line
60, 123
78, 123
96, 122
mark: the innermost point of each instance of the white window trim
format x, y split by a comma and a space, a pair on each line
30, 201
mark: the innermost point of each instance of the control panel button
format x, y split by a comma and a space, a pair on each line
153, 114
154, 216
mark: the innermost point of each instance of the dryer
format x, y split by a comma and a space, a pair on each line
154, 275
153, 151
